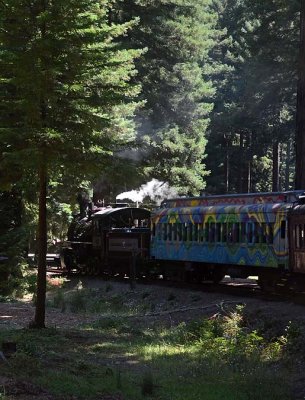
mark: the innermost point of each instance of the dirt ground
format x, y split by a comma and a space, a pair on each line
171, 306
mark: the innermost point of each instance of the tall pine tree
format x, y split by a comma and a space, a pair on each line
65, 95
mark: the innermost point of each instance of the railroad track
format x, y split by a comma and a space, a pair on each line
235, 287
238, 287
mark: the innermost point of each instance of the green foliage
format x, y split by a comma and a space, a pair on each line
13, 241
66, 91
255, 100
226, 340
60, 72
177, 37
292, 341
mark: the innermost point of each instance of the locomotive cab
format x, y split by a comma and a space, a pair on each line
118, 235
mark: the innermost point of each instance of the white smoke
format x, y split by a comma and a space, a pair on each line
155, 190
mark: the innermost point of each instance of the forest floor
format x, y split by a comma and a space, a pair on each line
107, 341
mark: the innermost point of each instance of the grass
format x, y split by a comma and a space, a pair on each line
208, 359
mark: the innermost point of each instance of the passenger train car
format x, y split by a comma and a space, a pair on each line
240, 235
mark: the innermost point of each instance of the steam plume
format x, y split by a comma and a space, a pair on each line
155, 190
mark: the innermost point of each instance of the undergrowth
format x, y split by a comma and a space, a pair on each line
95, 301
211, 358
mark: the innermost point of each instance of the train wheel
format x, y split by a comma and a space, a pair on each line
217, 276
267, 282
90, 270
188, 276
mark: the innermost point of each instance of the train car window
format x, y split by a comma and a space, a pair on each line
201, 232
154, 229
159, 231
249, 232
256, 235
300, 239
297, 237
270, 233
224, 232
283, 229
206, 231
179, 232
170, 232
300, 236
264, 232
196, 231
230, 232
236, 232
218, 232
164, 231
175, 231
184, 232
212, 232
243, 236
190, 232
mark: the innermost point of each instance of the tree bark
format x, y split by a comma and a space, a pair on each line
275, 167
248, 176
242, 165
248, 164
300, 117
39, 319
287, 166
227, 165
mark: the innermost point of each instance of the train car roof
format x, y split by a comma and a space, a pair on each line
134, 212
227, 209
235, 199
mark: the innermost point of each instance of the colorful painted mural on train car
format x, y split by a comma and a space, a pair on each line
253, 235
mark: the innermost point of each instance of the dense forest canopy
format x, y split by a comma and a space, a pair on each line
200, 94
219, 86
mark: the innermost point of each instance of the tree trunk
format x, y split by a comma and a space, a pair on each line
300, 117
227, 165
39, 319
248, 176
287, 167
275, 167
245, 163
242, 155
248, 164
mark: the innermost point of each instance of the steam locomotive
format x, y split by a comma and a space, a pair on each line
106, 239
196, 238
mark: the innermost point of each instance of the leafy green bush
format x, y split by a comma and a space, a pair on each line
226, 339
